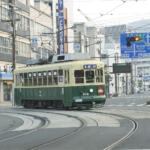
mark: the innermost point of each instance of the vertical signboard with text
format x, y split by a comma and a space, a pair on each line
61, 26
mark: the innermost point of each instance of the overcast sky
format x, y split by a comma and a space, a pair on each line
111, 12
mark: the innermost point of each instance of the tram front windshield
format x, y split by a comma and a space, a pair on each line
88, 76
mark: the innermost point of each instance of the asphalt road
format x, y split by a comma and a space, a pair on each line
22, 129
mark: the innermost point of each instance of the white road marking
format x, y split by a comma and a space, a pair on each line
28, 122
132, 104
141, 104
129, 105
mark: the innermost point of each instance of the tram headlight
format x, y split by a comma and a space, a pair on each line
91, 90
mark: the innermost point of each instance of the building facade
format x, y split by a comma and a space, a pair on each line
33, 20
87, 40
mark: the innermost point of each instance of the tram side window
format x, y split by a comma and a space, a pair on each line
17, 79
79, 76
25, 79
99, 75
55, 77
30, 78
34, 78
49, 78
44, 78
89, 76
21, 81
67, 78
40, 76
60, 74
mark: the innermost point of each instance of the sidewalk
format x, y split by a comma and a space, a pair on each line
6, 103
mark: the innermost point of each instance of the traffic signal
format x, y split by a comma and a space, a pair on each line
132, 39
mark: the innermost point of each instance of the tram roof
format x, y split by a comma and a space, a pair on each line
58, 65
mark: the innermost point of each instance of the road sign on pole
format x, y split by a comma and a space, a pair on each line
34, 42
146, 78
122, 68
135, 45
77, 47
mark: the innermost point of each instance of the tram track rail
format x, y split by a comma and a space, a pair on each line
82, 125
110, 147
129, 134
43, 123
75, 131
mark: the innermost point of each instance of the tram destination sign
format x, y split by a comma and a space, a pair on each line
122, 68
135, 45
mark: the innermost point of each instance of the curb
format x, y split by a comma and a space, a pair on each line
6, 103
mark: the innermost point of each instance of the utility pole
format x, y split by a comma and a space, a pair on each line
132, 82
126, 84
13, 38
100, 49
80, 38
116, 82
13, 23
11, 4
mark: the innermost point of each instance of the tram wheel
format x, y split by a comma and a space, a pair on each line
67, 108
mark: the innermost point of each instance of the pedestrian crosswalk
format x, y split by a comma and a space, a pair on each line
127, 105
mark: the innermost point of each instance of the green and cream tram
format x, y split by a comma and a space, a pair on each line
78, 83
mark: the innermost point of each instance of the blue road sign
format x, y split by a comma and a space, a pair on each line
146, 78
34, 42
138, 49
6, 76
60, 5
61, 33
77, 47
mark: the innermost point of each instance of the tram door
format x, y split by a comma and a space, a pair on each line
7, 91
68, 90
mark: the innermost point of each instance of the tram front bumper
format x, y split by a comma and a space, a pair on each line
84, 99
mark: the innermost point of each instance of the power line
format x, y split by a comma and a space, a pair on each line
107, 12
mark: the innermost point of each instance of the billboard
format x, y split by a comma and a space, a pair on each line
61, 26
61, 31
60, 5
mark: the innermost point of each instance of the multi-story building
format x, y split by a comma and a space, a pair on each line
33, 20
111, 52
87, 40
41, 29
